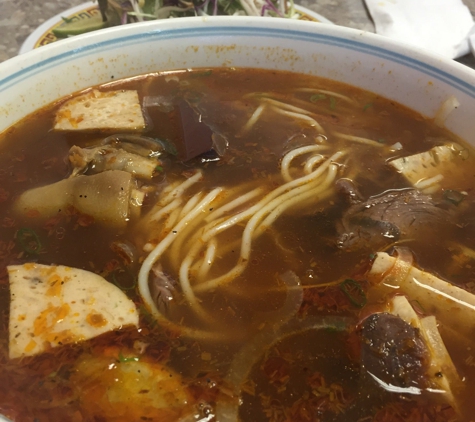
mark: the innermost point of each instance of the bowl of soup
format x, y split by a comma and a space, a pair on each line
236, 219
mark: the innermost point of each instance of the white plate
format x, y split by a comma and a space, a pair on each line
44, 33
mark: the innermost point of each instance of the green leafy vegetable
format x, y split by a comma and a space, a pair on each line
133, 11
81, 26
353, 291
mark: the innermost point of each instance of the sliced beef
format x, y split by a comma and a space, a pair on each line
393, 351
386, 218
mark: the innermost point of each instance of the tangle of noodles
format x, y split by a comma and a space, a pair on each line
190, 235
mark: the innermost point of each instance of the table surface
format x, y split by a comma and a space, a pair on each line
19, 18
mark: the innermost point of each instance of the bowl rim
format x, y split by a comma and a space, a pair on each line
446, 70
46, 27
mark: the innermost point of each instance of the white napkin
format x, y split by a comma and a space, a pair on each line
441, 26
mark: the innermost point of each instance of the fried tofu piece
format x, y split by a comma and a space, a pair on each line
444, 166
452, 305
56, 305
96, 110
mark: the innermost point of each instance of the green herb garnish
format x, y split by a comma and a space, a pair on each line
332, 103
124, 283
317, 97
353, 291
123, 359
202, 74
367, 106
29, 241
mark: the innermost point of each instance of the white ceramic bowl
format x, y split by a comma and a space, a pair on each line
417, 79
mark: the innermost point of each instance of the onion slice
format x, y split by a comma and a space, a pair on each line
227, 409
293, 300
449, 105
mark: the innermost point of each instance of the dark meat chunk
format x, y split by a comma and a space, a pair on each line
196, 134
393, 351
348, 189
386, 218
162, 288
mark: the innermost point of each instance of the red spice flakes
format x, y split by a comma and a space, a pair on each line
32, 213
20, 177
4, 195
6, 248
19, 157
8, 222
52, 222
205, 388
328, 299
85, 220
110, 267
277, 370
412, 412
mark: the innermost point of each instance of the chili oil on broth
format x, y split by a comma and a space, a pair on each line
290, 378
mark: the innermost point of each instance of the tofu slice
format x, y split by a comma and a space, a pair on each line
117, 110
435, 168
442, 372
453, 306
56, 305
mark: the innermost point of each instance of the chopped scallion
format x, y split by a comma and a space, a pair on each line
122, 358
332, 103
130, 282
29, 241
317, 97
353, 291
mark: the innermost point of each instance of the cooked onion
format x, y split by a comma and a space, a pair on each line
227, 409
292, 303
400, 269
449, 105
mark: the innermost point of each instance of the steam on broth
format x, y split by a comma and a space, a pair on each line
274, 247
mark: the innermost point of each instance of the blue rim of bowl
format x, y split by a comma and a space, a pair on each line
215, 30
43, 34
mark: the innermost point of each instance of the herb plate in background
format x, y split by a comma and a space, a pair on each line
44, 34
